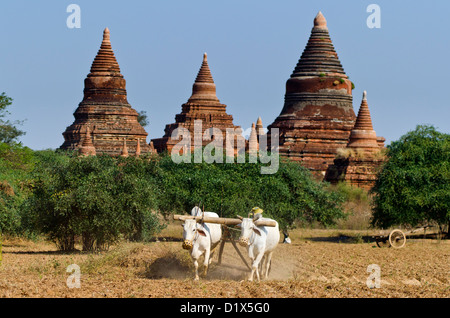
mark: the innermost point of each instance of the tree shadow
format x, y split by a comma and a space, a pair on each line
166, 239
371, 238
343, 239
45, 252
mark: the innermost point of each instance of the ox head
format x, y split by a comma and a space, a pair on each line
248, 228
191, 230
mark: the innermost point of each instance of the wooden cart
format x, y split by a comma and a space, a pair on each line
397, 238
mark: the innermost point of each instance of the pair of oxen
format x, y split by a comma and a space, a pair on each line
203, 238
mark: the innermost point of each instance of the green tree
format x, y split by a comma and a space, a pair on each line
9, 133
142, 118
16, 164
97, 198
231, 189
413, 186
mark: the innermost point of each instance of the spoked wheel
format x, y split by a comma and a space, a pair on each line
397, 239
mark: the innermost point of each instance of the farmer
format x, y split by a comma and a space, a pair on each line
254, 211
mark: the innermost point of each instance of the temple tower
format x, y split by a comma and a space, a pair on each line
202, 105
318, 114
362, 135
253, 145
87, 147
358, 163
104, 112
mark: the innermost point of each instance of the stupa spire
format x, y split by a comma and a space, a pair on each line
253, 140
106, 35
364, 121
138, 148
362, 135
204, 87
204, 74
87, 147
360, 168
105, 62
319, 56
105, 107
105, 83
318, 114
124, 148
320, 22
259, 126
204, 106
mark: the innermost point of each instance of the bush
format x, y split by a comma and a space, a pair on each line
413, 186
16, 162
101, 199
9, 133
352, 193
232, 189
97, 198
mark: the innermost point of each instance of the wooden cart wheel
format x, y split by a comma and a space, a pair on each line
397, 239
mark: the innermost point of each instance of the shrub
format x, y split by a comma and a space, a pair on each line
232, 189
351, 193
16, 162
413, 186
97, 198
100, 199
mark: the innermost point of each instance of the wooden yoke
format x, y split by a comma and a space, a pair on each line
206, 219
225, 221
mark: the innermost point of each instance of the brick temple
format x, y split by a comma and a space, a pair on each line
104, 121
203, 105
317, 124
317, 118
357, 164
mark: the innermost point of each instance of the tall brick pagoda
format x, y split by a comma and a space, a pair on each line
202, 105
104, 118
359, 162
363, 136
318, 114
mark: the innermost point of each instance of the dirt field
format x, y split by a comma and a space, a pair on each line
318, 263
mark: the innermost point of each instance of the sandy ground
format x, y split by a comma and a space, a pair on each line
318, 263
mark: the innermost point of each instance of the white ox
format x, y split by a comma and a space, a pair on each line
201, 238
261, 241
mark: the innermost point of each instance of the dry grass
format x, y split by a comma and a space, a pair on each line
344, 153
319, 263
6, 188
359, 215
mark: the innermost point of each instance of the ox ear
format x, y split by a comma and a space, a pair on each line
256, 231
201, 232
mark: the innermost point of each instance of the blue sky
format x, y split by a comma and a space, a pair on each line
252, 45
